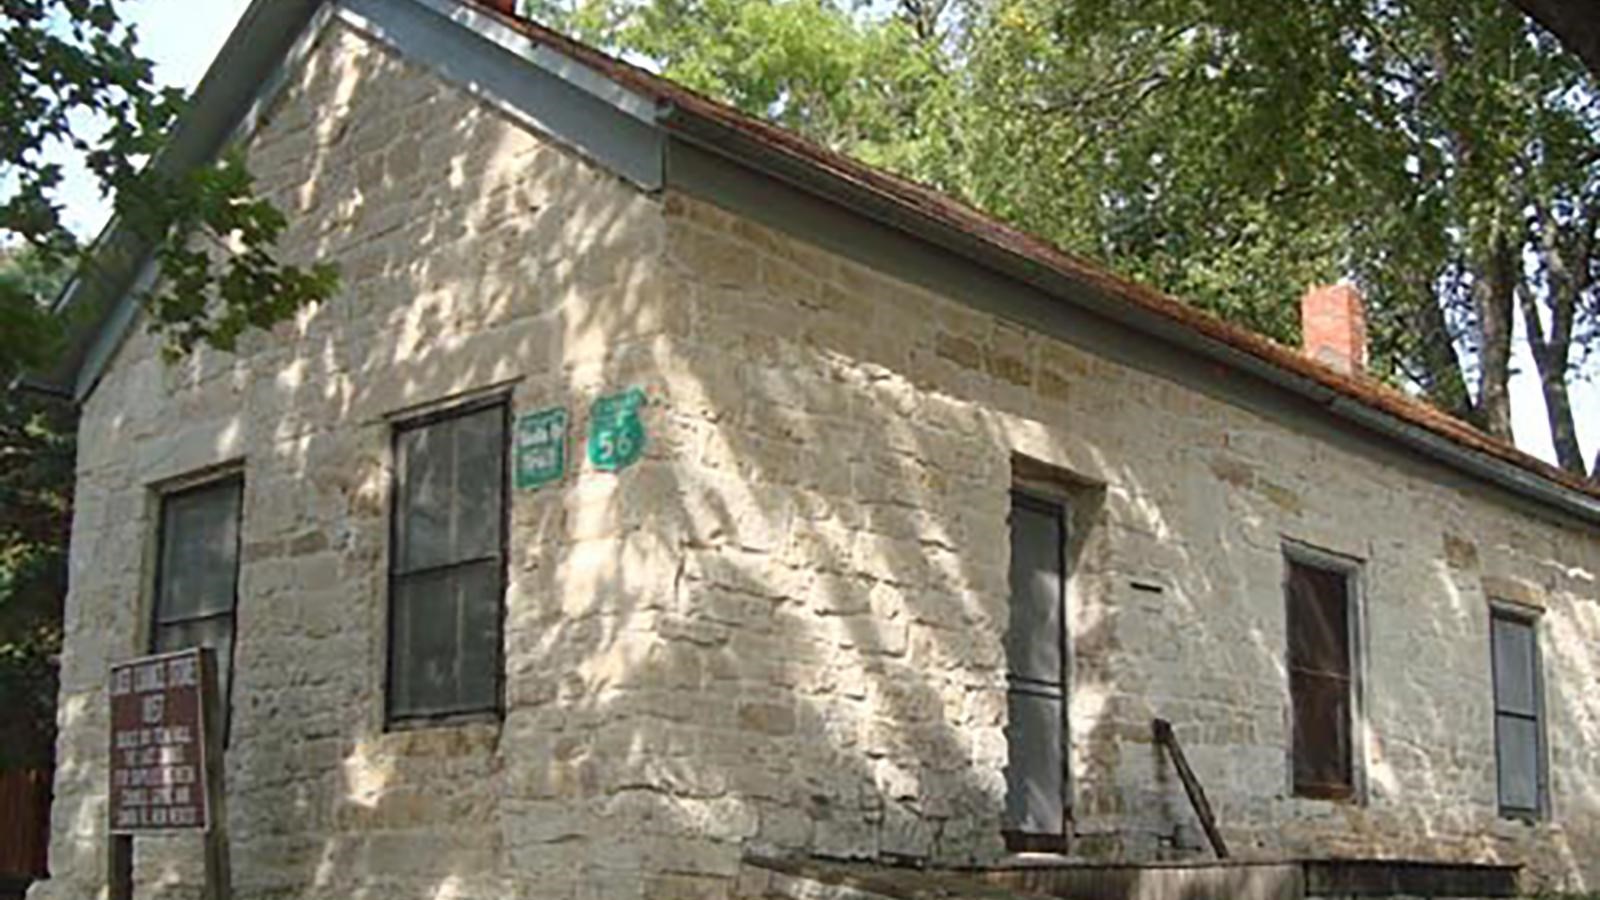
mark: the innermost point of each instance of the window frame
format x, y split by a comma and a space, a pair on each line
399, 426
1529, 618
1053, 504
208, 481
1353, 570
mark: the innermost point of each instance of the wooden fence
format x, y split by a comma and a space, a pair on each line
24, 823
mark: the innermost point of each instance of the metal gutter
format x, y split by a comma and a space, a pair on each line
717, 137
29, 385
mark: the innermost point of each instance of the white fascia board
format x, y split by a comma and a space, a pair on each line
111, 333
272, 88
552, 61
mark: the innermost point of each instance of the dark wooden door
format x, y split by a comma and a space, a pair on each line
24, 824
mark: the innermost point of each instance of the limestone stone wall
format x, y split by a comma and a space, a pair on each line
781, 630
889, 421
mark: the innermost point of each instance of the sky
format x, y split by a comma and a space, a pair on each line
182, 36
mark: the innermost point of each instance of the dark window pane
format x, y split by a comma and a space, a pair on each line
424, 644
1319, 624
1519, 757
216, 633
1318, 614
198, 574
199, 552
1322, 742
1034, 770
450, 484
446, 640
480, 449
1518, 762
1033, 637
444, 654
478, 594
426, 471
1035, 779
1515, 689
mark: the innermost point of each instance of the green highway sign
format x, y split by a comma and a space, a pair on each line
541, 445
616, 433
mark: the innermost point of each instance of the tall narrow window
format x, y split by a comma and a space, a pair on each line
1518, 716
447, 567
197, 574
1035, 817
1321, 688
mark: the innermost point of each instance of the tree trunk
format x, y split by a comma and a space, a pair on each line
1444, 382
1564, 254
1558, 410
1551, 357
1494, 296
1576, 23
1491, 260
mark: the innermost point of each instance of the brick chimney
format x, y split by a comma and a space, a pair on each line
1333, 327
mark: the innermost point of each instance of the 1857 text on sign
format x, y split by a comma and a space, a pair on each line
158, 743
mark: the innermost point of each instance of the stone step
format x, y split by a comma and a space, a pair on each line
1313, 879
1408, 878
1270, 880
1202, 881
812, 879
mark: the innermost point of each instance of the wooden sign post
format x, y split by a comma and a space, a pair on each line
166, 762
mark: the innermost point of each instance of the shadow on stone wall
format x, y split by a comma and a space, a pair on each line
779, 632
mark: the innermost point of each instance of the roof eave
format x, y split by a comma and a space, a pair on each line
711, 133
98, 304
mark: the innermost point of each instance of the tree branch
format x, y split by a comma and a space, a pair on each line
1575, 23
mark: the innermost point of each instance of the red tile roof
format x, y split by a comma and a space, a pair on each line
943, 209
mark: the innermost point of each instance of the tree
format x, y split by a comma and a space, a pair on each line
1442, 154
36, 468
1576, 23
847, 82
74, 83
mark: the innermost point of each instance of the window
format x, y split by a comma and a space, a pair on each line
1321, 686
1035, 641
447, 565
1518, 716
197, 573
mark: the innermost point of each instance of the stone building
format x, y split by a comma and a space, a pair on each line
880, 531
